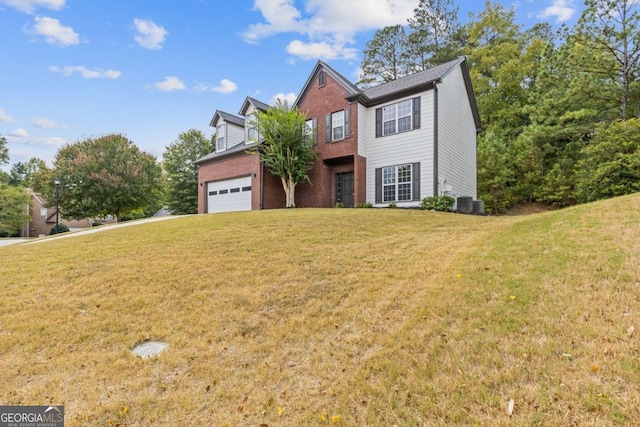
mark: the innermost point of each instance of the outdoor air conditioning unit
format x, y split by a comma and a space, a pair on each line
478, 207
465, 204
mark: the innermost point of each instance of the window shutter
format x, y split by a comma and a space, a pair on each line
378, 122
416, 113
314, 130
416, 181
327, 128
347, 122
379, 185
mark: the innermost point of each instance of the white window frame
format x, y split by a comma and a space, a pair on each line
221, 145
249, 139
393, 181
308, 130
391, 115
337, 124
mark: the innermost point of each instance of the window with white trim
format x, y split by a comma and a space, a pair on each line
252, 132
337, 125
396, 183
221, 138
309, 130
397, 117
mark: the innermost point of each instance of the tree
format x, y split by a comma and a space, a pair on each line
287, 149
22, 173
14, 204
385, 56
610, 166
181, 173
4, 151
434, 23
610, 28
101, 176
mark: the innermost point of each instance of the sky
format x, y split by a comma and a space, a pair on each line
152, 69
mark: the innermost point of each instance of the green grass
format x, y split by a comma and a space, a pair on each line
364, 317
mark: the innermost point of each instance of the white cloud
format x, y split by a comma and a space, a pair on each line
44, 123
85, 72
149, 34
169, 84
54, 32
321, 50
19, 133
562, 10
28, 6
225, 86
330, 25
4, 117
290, 98
22, 138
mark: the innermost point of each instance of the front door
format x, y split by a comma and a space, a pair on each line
344, 189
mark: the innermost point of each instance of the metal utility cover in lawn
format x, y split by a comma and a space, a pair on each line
149, 348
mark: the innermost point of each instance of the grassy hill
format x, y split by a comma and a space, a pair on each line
346, 317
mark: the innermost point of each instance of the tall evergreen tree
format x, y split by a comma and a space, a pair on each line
609, 30
385, 56
181, 173
434, 24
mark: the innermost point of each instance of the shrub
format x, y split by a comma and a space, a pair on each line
60, 228
364, 205
392, 206
339, 205
438, 203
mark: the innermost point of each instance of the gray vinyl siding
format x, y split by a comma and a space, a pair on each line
456, 138
235, 135
406, 147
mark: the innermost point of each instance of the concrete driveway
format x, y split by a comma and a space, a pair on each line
8, 242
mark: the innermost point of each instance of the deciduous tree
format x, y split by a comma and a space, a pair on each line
610, 165
287, 150
22, 173
14, 204
4, 151
102, 176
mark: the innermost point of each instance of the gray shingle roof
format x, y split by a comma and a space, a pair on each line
229, 118
239, 148
409, 82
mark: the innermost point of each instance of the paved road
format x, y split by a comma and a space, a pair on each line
7, 242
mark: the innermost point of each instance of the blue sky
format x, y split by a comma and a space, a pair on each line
151, 69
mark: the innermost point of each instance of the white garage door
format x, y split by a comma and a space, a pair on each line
229, 195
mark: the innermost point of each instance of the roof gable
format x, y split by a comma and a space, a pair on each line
258, 105
349, 87
228, 118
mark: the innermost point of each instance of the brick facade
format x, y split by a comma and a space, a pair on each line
238, 165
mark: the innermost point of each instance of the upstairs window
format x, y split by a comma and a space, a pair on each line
310, 130
322, 78
252, 132
337, 125
221, 138
402, 116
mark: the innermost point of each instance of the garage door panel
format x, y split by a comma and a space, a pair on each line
229, 195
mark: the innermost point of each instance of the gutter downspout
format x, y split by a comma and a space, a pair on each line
435, 137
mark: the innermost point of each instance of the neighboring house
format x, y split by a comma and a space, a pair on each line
43, 218
398, 142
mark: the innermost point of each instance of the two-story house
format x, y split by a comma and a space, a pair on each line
398, 142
